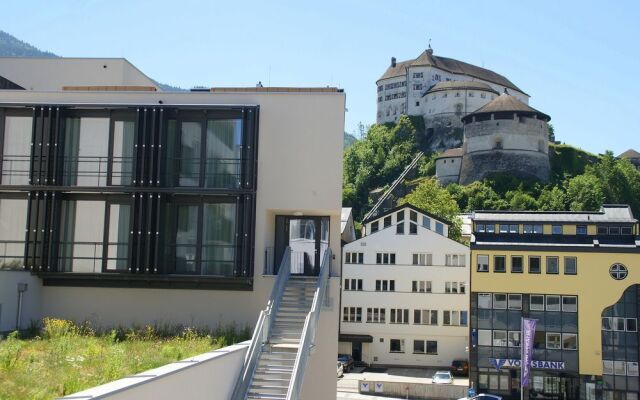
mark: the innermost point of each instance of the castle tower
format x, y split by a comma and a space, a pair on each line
505, 136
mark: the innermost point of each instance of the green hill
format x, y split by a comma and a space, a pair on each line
579, 180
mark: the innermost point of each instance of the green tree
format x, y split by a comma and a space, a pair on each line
521, 201
435, 199
552, 199
585, 193
481, 196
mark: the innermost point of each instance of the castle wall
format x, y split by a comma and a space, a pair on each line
520, 133
448, 169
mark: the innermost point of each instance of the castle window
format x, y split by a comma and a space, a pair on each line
417, 104
417, 75
380, 88
417, 86
379, 99
498, 144
457, 94
471, 94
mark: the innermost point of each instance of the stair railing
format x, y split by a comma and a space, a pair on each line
262, 331
307, 340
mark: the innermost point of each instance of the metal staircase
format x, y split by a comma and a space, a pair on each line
284, 335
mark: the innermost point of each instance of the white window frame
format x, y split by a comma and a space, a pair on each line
511, 338
482, 266
566, 335
485, 296
495, 301
516, 306
619, 371
559, 342
608, 326
547, 307
497, 341
635, 320
402, 349
607, 367
531, 306
574, 306
485, 337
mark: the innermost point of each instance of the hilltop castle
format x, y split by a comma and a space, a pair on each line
469, 106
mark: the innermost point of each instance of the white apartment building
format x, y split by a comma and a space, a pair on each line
404, 292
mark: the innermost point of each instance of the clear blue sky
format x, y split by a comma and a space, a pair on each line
579, 60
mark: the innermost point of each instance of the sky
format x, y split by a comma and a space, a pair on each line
578, 60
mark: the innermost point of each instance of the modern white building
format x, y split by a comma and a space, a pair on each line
404, 292
124, 205
403, 87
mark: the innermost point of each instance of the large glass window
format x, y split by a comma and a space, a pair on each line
224, 149
17, 150
189, 156
81, 237
13, 222
118, 243
122, 153
210, 227
86, 146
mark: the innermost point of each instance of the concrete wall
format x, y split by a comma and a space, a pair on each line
31, 299
415, 390
206, 376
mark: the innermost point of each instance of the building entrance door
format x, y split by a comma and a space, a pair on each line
356, 351
308, 238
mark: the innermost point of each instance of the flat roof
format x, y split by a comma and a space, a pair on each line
620, 213
274, 89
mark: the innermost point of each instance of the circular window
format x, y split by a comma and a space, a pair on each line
618, 271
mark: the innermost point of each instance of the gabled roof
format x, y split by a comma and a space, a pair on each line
461, 85
457, 152
427, 59
506, 103
403, 206
631, 153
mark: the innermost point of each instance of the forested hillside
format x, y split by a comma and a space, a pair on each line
579, 180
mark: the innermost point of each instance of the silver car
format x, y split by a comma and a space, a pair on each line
442, 377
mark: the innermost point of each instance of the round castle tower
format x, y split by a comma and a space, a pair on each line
505, 136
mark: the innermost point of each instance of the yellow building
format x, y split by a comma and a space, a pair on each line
578, 275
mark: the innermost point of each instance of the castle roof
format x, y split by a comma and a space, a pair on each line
461, 85
631, 153
506, 103
427, 59
451, 153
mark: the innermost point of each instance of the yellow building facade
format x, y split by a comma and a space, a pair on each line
563, 269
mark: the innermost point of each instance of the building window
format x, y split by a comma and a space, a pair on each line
418, 347
16, 152
626, 230
556, 229
421, 286
554, 341
581, 230
533, 229
380, 88
534, 264
513, 228
483, 95
384, 285
618, 271
504, 228
417, 104
353, 284
432, 347
553, 266
499, 264
399, 316
632, 324
553, 303
471, 94
387, 221
500, 338
536, 302
484, 337
480, 228
500, 301
452, 318
385, 258
417, 75
400, 228
422, 258
570, 265
374, 227
484, 300
396, 345
619, 324
426, 222
425, 317
614, 230
13, 215
417, 86
354, 258
607, 324
516, 264
569, 341
376, 315
439, 228
351, 314
491, 228
454, 260
569, 304
515, 301
513, 339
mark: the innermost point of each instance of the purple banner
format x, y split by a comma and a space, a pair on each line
528, 331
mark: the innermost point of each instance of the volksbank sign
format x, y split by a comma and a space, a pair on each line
514, 363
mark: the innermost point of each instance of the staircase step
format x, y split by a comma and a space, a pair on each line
253, 395
275, 369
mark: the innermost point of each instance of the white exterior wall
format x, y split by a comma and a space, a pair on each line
452, 340
529, 135
299, 171
448, 169
31, 299
390, 110
447, 102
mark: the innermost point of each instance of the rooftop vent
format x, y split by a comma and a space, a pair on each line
393, 62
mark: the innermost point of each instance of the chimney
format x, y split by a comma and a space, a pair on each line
393, 62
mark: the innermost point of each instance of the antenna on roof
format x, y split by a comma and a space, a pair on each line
430, 50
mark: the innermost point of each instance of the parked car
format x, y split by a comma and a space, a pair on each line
442, 377
460, 367
340, 369
347, 361
483, 396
